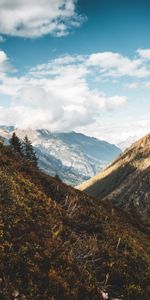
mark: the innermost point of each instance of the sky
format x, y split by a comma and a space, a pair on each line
82, 66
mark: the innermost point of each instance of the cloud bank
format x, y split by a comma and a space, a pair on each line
58, 95
55, 96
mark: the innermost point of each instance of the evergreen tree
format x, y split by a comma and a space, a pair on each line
29, 152
16, 143
57, 177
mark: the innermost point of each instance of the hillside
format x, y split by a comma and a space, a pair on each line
73, 156
126, 182
59, 243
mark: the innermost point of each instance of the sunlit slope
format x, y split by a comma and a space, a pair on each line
134, 160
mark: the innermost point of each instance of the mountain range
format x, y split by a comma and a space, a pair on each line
75, 157
59, 243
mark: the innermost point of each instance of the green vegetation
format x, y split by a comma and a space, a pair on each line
59, 243
29, 152
16, 144
24, 148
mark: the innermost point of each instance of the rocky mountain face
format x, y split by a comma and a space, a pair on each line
59, 243
126, 182
73, 156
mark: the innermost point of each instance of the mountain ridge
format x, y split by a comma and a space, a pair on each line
73, 156
121, 176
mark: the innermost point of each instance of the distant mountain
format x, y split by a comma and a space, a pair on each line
59, 243
73, 156
126, 182
127, 142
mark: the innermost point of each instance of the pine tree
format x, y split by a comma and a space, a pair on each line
16, 143
57, 177
29, 152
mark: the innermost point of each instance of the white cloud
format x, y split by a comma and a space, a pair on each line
5, 65
115, 101
105, 66
3, 57
39, 17
115, 65
139, 85
56, 96
133, 85
147, 84
2, 40
144, 53
118, 131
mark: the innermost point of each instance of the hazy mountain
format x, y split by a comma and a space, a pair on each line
126, 182
59, 243
73, 156
127, 142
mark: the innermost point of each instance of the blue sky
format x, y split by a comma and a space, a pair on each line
76, 65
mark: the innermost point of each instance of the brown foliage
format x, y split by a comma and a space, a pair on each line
58, 243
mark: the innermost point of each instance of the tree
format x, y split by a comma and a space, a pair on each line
29, 152
16, 143
57, 177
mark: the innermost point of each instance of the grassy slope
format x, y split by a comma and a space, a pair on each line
136, 158
58, 243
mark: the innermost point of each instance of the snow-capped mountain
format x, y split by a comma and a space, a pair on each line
73, 156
